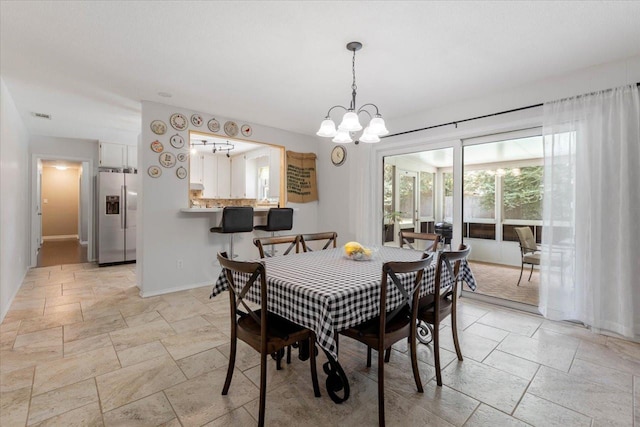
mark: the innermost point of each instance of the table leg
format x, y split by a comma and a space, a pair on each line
425, 332
336, 379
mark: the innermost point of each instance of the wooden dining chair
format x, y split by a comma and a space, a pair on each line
529, 250
408, 237
381, 332
330, 238
264, 331
439, 304
293, 241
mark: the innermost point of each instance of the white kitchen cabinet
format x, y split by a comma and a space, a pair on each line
195, 168
118, 155
224, 177
274, 172
210, 176
238, 177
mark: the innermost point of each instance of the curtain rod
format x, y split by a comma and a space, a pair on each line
455, 123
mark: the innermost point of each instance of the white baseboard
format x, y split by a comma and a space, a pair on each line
84, 242
61, 237
176, 289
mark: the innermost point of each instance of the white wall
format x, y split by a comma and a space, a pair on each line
14, 194
166, 235
86, 183
352, 193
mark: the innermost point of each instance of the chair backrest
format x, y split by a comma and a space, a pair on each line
409, 300
293, 241
279, 219
408, 237
257, 274
331, 237
527, 242
237, 219
449, 261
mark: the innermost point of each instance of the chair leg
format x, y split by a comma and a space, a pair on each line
436, 352
454, 330
231, 367
312, 360
521, 268
380, 388
278, 360
413, 344
368, 357
387, 355
231, 246
263, 388
288, 355
530, 273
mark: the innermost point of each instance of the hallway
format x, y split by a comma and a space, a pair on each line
59, 252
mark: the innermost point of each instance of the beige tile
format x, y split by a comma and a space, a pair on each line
636, 401
237, 418
9, 326
512, 364
486, 416
93, 327
182, 308
101, 307
63, 308
538, 411
59, 373
194, 341
64, 300
486, 384
14, 406
50, 321
602, 375
603, 404
608, 356
150, 411
88, 415
137, 305
61, 400
50, 291
73, 267
23, 357
142, 319
488, 332
246, 356
472, 346
138, 335
14, 380
173, 423
447, 403
25, 309
200, 363
198, 401
7, 339
135, 355
73, 348
573, 330
40, 339
555, 352
189, 324
136, 381
513, 322
78, 292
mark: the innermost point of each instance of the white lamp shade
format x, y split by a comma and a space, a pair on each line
368, 137
350, 122
377, 127
342, 137
327, 129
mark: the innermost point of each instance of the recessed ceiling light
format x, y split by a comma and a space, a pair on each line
165, 94
61, 167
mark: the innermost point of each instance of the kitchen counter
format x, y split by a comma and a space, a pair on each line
214, 210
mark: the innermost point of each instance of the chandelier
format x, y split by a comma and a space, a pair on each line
216, 147
350, 121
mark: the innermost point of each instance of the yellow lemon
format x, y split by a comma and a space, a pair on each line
353, 247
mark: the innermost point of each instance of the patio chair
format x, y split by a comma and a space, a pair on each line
529, 250
264, 331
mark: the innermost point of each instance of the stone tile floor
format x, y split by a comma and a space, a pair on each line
80, 347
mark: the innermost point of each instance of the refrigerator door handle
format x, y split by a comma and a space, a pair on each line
123, 207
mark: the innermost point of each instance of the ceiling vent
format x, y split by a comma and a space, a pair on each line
41, 115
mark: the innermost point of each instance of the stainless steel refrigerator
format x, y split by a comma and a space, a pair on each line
117, 206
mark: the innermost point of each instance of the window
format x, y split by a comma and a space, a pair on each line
522, 193
426, 195
447, 178
479, 199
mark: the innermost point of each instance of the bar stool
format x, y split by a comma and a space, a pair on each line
278, 219
235, 219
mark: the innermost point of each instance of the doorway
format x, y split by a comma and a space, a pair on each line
62, 225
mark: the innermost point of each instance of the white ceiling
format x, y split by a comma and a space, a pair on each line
283, 64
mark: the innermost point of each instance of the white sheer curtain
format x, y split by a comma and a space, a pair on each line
590, 267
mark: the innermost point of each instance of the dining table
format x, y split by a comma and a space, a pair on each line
328, 292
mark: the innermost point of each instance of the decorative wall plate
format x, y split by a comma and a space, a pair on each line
246, 130
231, 128
196, 120
213, 125
181, 172
158, 127
178, 121
182, 157
154, 171
157, 147
168, 160
176, 141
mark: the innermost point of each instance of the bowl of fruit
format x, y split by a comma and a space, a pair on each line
357, 252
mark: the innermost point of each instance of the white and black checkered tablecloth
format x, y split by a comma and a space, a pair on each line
327, 292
